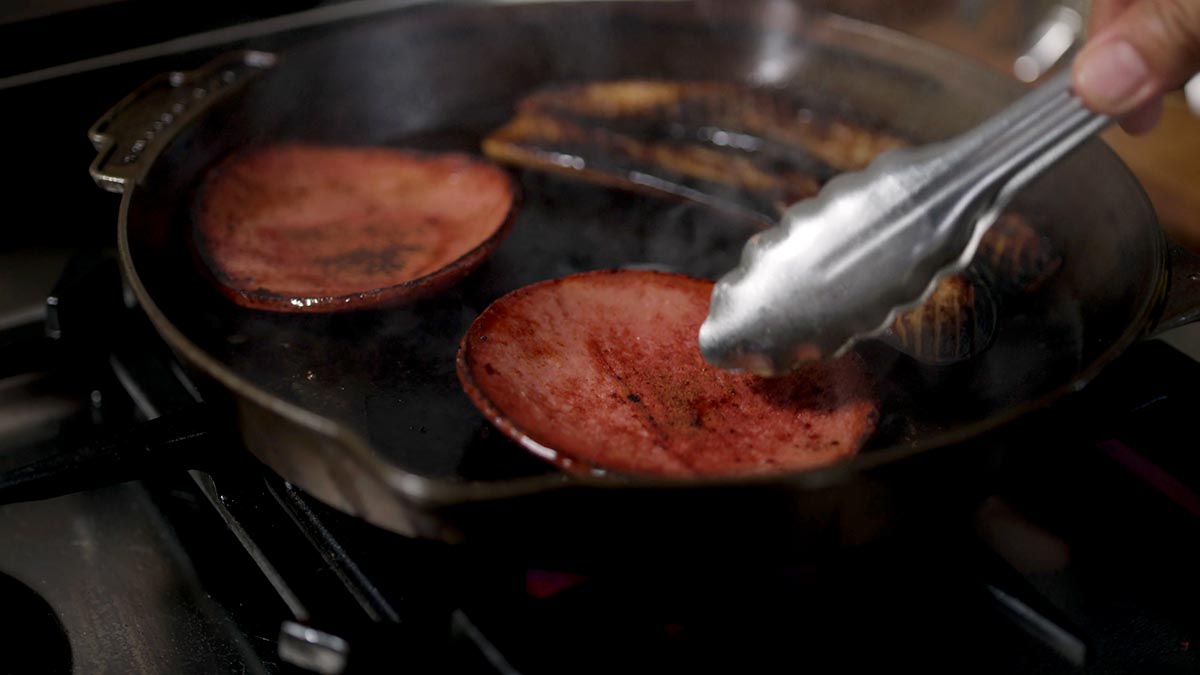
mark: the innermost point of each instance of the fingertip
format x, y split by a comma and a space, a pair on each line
1144, 119
1112, 78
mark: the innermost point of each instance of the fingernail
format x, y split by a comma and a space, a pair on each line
1111, 77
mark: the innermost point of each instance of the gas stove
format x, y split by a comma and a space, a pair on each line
1082, 560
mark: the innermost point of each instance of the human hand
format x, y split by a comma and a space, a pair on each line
1139, 50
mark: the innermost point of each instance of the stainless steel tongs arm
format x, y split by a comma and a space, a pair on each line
1003, 155
872, 244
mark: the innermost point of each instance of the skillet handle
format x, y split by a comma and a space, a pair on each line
135, 130
1182, 302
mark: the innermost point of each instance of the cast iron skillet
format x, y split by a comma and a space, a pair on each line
364, 410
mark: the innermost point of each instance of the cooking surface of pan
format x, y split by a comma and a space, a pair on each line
441, 78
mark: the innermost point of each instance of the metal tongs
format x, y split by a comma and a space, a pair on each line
873, 244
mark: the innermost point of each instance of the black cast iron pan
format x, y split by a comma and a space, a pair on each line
364, 411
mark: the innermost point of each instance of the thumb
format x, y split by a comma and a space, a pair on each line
1151, 48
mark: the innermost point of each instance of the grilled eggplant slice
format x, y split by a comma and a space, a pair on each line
732, 182
826, 138
957, 321
752, 152
747, 150
1016, 257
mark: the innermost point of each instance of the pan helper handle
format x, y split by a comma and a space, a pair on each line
137, 128
840, 267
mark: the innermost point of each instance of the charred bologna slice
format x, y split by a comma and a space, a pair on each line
304, 228
602, 370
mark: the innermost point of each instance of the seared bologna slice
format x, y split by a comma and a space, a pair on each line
602, 371
308, 228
